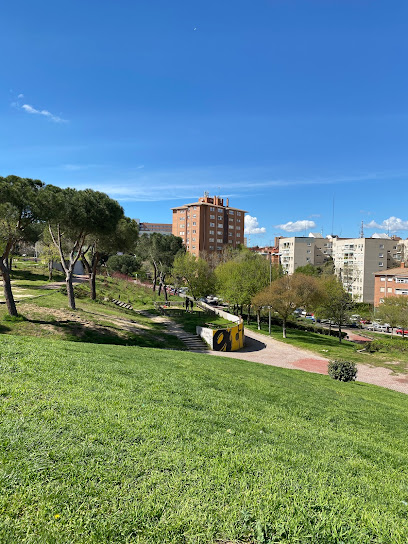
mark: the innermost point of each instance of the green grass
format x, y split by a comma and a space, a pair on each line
190, 320
330, 347
47, 315
130, 445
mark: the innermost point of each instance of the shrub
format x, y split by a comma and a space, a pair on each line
125, 264
387, 344
345, 371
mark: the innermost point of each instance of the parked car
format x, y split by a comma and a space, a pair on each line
365, 321
402, 331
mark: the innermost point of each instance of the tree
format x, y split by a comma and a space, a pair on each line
125, 264
20, 212
159, 250
99, 245
195, 273
287, 293
240, 279
336, 303
394, 311
73, 217
47, 251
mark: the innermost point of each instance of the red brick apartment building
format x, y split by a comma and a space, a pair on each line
268, 251
390, 283
208, 225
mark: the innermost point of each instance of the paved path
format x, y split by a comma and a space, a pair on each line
262, 349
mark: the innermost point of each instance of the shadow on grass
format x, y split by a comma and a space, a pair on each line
4, 329
78, 332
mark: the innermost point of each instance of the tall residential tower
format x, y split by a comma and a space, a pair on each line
208, 225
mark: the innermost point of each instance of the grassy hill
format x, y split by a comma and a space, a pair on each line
103, 443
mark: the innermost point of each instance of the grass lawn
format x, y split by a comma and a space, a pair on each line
132, 445
100, 321
190, 320
330, 347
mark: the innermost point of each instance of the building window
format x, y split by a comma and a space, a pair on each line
308, 251
381, 300
231, 212
382, 279
211, 209
231, 220
230, 241
238, 213
381, 255
212, 224
194, 223
382, 289
212, 216
194, 207
194, 239
380, 264
230, 234
389, 289
193, 231
193, 247
230, 226
211, 247
211, 232
219, 232
211, 239
389, 279
220, 218
238, 220
182, 233
381, 246
219, 240
194, 215
238, 234
219, 248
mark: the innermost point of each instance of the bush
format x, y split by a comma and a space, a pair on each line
125, 264
345, 371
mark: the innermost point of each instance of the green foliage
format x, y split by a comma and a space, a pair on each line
394, 310
387, 345
123, 444
125, 264
195, 273
285, 294
344, 371
239, 280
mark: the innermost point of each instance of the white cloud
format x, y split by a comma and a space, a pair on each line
20, 96
55, 118
297, 226
392, 224
251, 226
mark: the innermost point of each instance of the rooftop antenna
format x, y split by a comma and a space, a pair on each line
362, 230
206, 193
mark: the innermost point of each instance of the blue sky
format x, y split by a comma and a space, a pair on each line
282, 105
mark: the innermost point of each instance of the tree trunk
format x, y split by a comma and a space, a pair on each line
166, 298
154, 278
70, 291
92, 285
8, 294
50, 263
258, 319
249, 313
284, 328
339, 332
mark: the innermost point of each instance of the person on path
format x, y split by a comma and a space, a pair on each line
191, 304
187, 303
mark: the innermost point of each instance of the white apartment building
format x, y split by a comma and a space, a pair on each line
356, 260
298, 251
